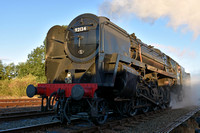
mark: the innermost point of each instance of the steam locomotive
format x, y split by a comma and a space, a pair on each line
94, 67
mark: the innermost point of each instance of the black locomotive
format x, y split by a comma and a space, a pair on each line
95, 67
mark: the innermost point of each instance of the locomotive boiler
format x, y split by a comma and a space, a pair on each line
94, 67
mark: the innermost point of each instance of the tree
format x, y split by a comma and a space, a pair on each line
1, 70
22, 69
10, 71
35, 64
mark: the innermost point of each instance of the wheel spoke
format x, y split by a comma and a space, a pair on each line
102, 113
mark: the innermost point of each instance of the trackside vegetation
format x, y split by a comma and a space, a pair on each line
15, 78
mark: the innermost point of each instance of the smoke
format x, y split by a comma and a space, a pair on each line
191, 91
191, 94
181, 14
178, 52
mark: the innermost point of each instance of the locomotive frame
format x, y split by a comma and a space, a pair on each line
95, 67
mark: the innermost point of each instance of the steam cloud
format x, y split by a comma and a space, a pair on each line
191, 95
180, 53
183, 14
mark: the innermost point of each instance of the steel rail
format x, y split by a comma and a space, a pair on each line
19, 104
20, 100
7, 103
37, 127
17, 113
31, 128
178, 121
17, 116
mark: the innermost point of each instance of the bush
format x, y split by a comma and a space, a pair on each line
17, 86
4, 89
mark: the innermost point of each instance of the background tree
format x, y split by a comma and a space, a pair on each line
1, 70
10, 71
18, 77
22, 69
35, 64
36, 60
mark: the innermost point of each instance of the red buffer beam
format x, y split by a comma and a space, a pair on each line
76, 91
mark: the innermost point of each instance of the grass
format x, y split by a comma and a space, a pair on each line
17, 87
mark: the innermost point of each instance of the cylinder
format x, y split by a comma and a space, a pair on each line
125, 84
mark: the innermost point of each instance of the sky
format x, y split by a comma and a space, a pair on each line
171, 27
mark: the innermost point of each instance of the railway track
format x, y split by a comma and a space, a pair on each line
89, 128
31, 128
110, 126
178, 122
21, 115
21, 100
123, 124
118, 125
7, 103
